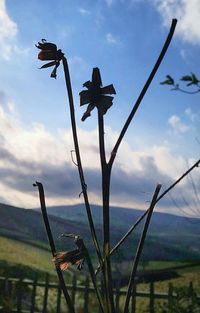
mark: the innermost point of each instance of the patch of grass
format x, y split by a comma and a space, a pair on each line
19, 255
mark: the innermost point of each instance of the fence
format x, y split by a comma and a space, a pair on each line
33, 296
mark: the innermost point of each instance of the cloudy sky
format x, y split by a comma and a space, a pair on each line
123, 38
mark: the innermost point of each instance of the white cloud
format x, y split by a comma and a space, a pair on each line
187, 13
29, 153
84, 11
8, 31
111, 39
177, 125
191, 115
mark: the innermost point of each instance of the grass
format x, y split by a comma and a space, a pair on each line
22, 259
19, 254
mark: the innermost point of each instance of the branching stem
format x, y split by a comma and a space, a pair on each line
106, 218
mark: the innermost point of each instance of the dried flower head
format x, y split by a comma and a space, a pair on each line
49, 52
96, 95
75, 257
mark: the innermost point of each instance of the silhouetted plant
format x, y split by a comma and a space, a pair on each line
96, 96
190, 80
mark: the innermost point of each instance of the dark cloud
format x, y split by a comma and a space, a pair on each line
62, 180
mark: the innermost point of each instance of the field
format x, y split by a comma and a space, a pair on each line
21, 259
20, 255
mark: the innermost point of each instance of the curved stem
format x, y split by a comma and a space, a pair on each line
185, 91
52, 245
78, 158
106, 218
143, 92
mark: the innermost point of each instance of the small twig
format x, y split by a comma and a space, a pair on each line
140, 247
73, 157
52, 245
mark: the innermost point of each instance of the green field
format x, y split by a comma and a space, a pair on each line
17, 255
18, 258
23, 259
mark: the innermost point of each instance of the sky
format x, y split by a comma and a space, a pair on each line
123, 38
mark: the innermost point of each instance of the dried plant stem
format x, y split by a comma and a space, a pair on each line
106, 172
139, 248
93, 277
143, 92
196, 164
52, 246
78, 159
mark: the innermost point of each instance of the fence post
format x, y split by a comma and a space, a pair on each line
133, 300
58, 300
191, 297
151, 297
86, 294
19, 295
33, 295
46, 294
117, 297
73, 295
170, 295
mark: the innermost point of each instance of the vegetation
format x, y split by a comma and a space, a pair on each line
96, 96
190, 80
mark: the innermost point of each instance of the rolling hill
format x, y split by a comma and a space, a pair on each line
170, 237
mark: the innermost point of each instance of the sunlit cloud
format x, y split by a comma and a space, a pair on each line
8, 32
31, 152
177, 125
187, 13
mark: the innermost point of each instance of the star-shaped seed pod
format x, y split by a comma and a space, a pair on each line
96, 95
49, 52
75, 257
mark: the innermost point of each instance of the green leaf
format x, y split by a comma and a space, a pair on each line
194, 79
168, 81
186, 78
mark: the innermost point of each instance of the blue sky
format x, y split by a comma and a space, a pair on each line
123, 38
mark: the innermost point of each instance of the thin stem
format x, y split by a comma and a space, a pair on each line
185, 91
52, 245
92, 274
196, 164
78, 159
106, 217
139, 248
143, 92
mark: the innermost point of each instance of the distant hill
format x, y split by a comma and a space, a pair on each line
170, 237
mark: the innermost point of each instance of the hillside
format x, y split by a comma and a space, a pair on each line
170, 237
